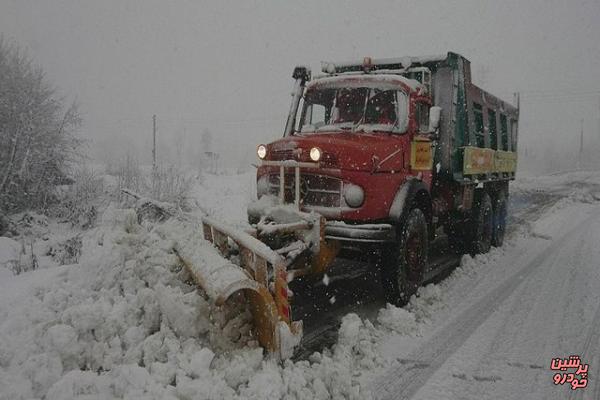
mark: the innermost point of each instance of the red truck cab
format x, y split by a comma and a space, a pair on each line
362, 131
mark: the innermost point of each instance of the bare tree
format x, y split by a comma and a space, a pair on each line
37, 140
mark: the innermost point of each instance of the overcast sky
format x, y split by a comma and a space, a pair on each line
226, 65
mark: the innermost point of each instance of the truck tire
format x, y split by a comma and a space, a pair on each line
404, 262
500, 214
482, 224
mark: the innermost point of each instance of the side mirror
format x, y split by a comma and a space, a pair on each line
435, 114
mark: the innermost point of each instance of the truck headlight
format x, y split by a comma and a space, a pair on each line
315, 154
354, 195
261, 151
262, 186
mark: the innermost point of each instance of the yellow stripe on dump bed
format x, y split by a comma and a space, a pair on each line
482, 161
505, 161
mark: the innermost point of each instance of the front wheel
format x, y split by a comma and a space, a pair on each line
404, 262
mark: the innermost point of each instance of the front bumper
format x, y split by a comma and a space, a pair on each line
369, 233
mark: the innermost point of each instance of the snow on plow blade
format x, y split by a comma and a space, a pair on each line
261, 277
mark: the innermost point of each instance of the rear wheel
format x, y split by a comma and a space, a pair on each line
482, 224
403, 263
500, 214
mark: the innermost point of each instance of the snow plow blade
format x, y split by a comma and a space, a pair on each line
261, 277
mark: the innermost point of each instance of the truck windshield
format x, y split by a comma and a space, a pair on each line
354, 109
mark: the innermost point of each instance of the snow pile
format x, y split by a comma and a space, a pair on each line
429, 299
123, 322
123, 312
338, 371
397, 319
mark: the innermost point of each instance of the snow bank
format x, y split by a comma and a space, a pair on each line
125, 304
124, 322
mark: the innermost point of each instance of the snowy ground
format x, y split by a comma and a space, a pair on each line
124, 323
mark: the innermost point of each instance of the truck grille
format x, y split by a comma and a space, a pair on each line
283, 155
315, 190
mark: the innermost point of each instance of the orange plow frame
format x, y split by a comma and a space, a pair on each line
265, 286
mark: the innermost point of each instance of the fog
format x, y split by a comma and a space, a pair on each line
226, 67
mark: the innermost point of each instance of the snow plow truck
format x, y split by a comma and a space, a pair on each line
381, 156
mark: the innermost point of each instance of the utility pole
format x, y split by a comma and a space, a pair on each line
154, 142
580, 159
597, 146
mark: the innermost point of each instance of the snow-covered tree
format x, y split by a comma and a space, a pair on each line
37, 129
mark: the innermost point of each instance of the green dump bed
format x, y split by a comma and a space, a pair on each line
478, 131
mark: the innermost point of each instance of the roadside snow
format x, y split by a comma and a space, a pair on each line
225, 197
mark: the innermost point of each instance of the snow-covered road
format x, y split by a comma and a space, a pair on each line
495, 338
